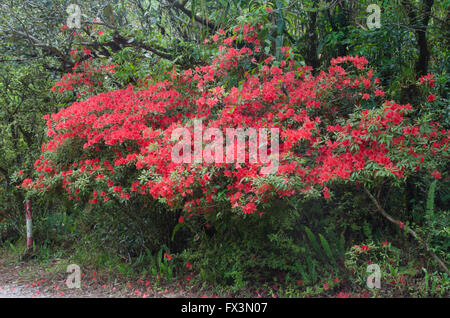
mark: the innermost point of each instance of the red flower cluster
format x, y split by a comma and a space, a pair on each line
362, 248
326, 134
428, 79
85, 77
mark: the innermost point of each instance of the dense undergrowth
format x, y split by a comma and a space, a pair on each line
309, 255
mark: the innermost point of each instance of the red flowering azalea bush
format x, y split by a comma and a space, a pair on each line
333, 126
86, 75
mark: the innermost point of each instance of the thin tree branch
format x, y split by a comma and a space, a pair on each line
182, 8
408, 230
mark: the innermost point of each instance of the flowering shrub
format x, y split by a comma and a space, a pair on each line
336, 125
393, 274
86, 75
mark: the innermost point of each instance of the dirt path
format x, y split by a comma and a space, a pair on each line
27, 280
20, 281
15, 291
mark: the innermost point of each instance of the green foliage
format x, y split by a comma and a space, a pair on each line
430, 200
436, 226
314, 242
398, 276
327, 249
24, 98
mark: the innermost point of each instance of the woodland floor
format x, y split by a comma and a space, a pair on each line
29, 280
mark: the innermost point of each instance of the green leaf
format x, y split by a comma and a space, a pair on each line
314, 242
176, 228
327, 249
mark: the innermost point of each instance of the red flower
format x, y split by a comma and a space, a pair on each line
365, 248
379, 92
431, 98
181, 219
436, 174
343, 295
249, 208
326, 193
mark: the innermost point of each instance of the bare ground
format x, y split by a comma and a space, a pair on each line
29, 280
